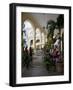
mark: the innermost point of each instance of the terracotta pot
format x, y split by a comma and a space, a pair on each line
60, 67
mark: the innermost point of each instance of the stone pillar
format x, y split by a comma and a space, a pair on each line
34, 41
45, 38
40, 39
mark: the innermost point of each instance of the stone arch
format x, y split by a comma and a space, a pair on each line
30, 29
32, 24
35, 26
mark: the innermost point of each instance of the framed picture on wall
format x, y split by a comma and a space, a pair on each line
40, 44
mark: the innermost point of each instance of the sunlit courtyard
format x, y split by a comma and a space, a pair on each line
42, 44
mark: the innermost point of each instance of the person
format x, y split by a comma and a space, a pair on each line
57, 43
56, 54
26, 57
30, 53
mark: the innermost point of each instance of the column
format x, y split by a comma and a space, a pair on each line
41, 39
34, 41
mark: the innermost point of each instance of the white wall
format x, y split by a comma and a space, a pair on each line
4, 44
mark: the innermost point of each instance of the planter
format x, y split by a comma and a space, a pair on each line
59, 67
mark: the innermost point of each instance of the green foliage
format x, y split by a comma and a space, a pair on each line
49, 42
51, 26
60, 21
48, 62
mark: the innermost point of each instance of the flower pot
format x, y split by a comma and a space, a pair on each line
59, 67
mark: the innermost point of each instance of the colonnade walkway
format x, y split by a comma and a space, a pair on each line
37, 67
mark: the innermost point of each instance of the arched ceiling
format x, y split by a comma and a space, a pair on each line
39, 19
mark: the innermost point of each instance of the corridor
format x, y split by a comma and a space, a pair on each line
37, 67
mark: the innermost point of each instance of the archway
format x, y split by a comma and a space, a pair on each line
38, 38
28, 34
